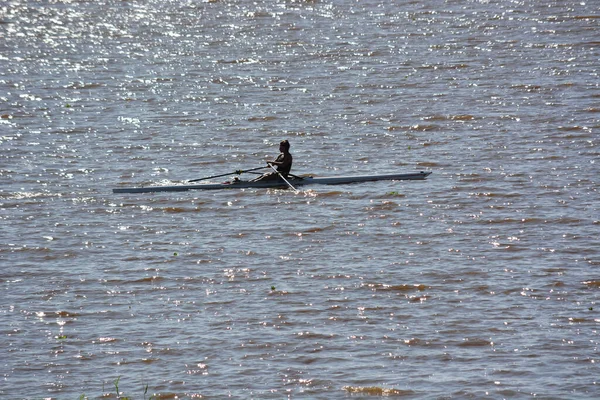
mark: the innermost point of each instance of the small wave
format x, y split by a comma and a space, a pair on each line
465, 117
423, 127
468, 342
333, 193
317, 229
575, 128
394, 128
106, 339
415, 342
460, 117
427, 164
149, 279
432, 143
577, 320
27, 249
443, 66
414, 128
419, 299
66, 314
483, 194
383, 206
176, 210
238, 61
529, 88
27, 195
262, 119
377, 391
587, 17
508, 220
397, 288
83, 85
595, 283
315, 335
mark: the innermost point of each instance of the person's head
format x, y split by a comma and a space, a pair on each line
284, 146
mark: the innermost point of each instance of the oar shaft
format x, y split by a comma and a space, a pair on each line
281, 176
231, 173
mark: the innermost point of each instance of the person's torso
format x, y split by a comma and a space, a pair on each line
286, 160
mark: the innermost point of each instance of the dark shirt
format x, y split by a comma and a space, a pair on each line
286, 163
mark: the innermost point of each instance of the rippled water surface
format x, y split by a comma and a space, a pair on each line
480, 282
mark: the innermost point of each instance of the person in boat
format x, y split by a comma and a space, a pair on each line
283, 164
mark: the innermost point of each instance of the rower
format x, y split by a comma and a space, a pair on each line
283, 162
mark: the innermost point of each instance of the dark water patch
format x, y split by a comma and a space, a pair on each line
575, 132
432, 143
427, 164
475, 342
460, 117
511, 221
377, 391
590, 17
395, 288
421, 128
579, 320
318, 229
329, 193
262, 119
557, 284
308, 335
592, 283
66, 314
527, 87
177, 210
384, 205
148, 279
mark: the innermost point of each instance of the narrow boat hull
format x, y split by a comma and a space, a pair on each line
336, 180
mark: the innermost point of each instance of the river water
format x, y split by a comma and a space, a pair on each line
480, 282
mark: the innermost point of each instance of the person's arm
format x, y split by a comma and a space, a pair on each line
278, 161
284, 164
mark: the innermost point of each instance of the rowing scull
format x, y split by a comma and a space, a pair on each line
296, 181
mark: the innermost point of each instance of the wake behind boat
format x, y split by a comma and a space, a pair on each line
294, 180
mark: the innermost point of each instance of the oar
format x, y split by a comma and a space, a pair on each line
231, 173
281, 176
